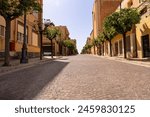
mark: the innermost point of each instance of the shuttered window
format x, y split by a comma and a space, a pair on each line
34, 39
20, 33
2, 30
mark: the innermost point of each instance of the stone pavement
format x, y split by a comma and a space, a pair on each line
90, 77
135, 61
78, 77
15, 64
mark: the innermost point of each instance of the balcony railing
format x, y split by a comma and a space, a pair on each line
144, 9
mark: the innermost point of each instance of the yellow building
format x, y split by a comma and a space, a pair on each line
92, 38
17, 32
138, 39
58, 47
89, 42
101, 9
75, 42
2, 36
73, 52
88, 48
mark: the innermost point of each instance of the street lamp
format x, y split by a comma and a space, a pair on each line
24, 58
41, 29
41, 40
47, 23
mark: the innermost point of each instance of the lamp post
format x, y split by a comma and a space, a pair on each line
41, 40
47, 23
41, 29
24, 58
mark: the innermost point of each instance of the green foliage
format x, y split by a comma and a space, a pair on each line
123, 20
11, 9
108, 31
101, 38
119, 22
86, 49
95, 42
31, 5
51, 33
87, 46
83, 51
76, 51
69, 44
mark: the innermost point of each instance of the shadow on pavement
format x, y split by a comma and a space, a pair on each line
27, 83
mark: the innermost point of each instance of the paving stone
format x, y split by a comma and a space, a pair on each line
78, 77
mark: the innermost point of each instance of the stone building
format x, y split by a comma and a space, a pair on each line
101, 9
93, 49
17, 34
138, 39
58, 47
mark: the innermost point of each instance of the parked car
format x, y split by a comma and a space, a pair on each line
46, 53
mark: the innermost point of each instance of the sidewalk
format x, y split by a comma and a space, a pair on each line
15, 64
135, 61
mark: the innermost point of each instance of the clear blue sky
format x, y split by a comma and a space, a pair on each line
75, 14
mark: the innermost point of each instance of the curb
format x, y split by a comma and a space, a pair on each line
17, 66
129, 61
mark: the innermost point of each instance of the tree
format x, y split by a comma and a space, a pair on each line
10, 10
86, 48
95, 43
101, 39
51, 33
123, 21
70, 45
108, 32
76, 52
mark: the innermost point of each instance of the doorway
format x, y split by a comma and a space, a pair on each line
146, 46
116, 49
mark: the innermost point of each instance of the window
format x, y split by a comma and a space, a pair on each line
143, 11
120, 47
20, 33
20, 37
146, 46
116, 49
2, 30
34, 39
128, 44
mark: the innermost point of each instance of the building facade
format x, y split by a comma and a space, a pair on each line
58, 47
138, 39
93, 51
101, 9
89, 43
17, 34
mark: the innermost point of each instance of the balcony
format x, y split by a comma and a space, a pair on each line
144, 9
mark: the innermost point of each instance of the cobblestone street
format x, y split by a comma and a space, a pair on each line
78, 77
